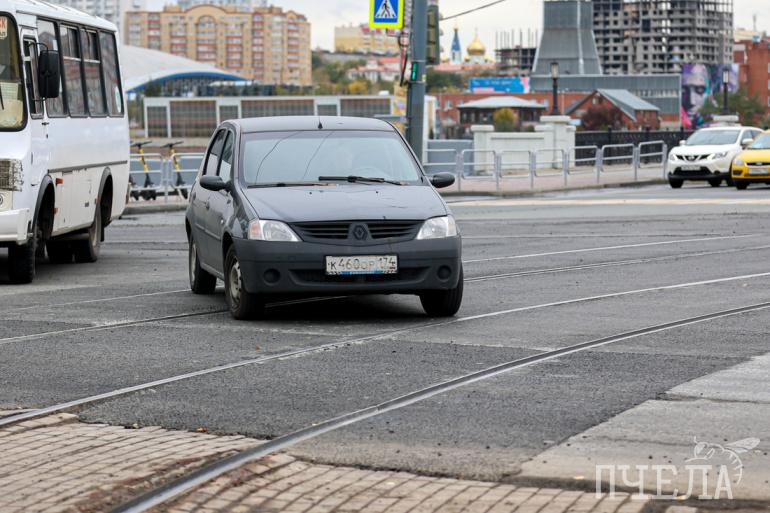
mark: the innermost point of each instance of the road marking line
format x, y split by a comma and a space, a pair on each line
607, 248
615, 202
87, 301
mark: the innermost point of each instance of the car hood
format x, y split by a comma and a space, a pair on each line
346, 202
751, 156
705, 149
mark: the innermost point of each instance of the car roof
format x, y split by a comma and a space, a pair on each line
712, 128
284, 123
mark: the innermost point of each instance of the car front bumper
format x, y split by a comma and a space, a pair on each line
751, 174
13, 226
707, 169
300, 267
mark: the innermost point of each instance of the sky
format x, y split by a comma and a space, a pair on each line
510, 15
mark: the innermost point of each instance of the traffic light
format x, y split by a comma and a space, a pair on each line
433, 55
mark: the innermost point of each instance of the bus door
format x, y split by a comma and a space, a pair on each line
38, 122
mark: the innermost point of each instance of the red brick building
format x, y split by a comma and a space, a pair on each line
636, 113
754, 60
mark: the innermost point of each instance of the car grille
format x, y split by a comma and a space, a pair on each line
312, 276
692, 158
758, 164
344, 230
697, 172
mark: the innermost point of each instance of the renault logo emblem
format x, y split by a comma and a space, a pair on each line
359, 232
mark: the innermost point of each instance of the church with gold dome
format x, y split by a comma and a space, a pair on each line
477, 52
474, 60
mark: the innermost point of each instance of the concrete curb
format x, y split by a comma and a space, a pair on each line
156, 208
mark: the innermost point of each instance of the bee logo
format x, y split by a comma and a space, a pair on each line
705, 451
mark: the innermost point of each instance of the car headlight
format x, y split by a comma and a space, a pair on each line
672, 157
438, 228
720, 155
738, 162
271, 231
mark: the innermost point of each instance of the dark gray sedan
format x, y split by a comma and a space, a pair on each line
320, 206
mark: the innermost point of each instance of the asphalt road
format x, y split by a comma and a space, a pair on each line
543, 272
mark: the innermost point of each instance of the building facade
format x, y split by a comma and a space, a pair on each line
267, 44
364, 40
658, 36
753, 58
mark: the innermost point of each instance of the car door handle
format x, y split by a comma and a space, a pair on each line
208, 204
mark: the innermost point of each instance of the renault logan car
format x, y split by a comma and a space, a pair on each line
707, 155
753, 165
319, 206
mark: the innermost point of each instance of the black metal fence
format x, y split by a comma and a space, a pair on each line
671, 138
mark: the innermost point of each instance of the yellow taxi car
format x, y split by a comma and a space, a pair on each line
753, 164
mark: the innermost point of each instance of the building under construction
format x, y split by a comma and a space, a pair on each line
658, 36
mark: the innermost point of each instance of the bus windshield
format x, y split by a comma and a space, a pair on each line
11, 90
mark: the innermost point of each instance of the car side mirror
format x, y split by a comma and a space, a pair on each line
214, 183
747, 142
682, 142
48, 74
441, 180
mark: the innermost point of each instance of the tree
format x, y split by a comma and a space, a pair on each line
749, 108
505, 120
359, 86
440, 81
602, 117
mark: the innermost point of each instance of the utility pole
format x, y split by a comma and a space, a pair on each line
415, 111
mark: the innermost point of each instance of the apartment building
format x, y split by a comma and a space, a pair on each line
658, 36
754, 70
266, 44
362, 39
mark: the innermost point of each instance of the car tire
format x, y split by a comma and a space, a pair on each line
675, 183
87, 251
741, 185
443, 303
21, 259
243, 305
201, 282
59, 252
715, 182
729, 179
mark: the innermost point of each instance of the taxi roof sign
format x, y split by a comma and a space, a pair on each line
386, 14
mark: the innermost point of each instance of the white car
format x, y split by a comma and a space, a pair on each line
708, 154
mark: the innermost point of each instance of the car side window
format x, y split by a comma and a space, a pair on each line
226, 165
212, 159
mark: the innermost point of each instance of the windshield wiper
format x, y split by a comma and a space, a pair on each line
285, 184
354, 179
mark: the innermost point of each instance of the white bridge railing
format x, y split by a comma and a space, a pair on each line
499, 167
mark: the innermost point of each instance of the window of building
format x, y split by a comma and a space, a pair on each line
263, 108
365, 108
157, 122
73, 76
327, 110
193, 118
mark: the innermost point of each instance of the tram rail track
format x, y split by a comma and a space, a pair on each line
179, 487
75, 404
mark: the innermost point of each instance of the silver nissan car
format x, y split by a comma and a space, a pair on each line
315, 206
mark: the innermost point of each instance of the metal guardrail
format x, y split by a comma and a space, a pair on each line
152, 174
500, 166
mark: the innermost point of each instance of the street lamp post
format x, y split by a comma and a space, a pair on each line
555, 78
725, 84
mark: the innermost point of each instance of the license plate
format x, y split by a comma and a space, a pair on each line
690, 168
361, 265
761, 171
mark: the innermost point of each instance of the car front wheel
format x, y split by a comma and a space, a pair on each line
715, 182
443, 303
675, 183
741, 185
242, 303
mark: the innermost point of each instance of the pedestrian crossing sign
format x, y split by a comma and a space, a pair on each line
386, 14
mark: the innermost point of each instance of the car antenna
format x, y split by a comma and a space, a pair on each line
320, 125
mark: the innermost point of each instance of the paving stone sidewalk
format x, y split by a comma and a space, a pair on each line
58, 464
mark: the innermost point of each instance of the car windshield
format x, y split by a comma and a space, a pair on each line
316, 156
11, 90
713, 137
763, 143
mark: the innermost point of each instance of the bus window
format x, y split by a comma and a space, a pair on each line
11, 89
94, 90
30, 69
110, 73
73, 78
46, 34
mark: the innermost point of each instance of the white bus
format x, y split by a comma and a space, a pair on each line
64, 141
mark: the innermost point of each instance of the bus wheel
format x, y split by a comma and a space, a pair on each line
59, 252
21, 259
87, 250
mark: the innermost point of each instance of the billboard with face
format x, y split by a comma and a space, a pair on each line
702, 83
